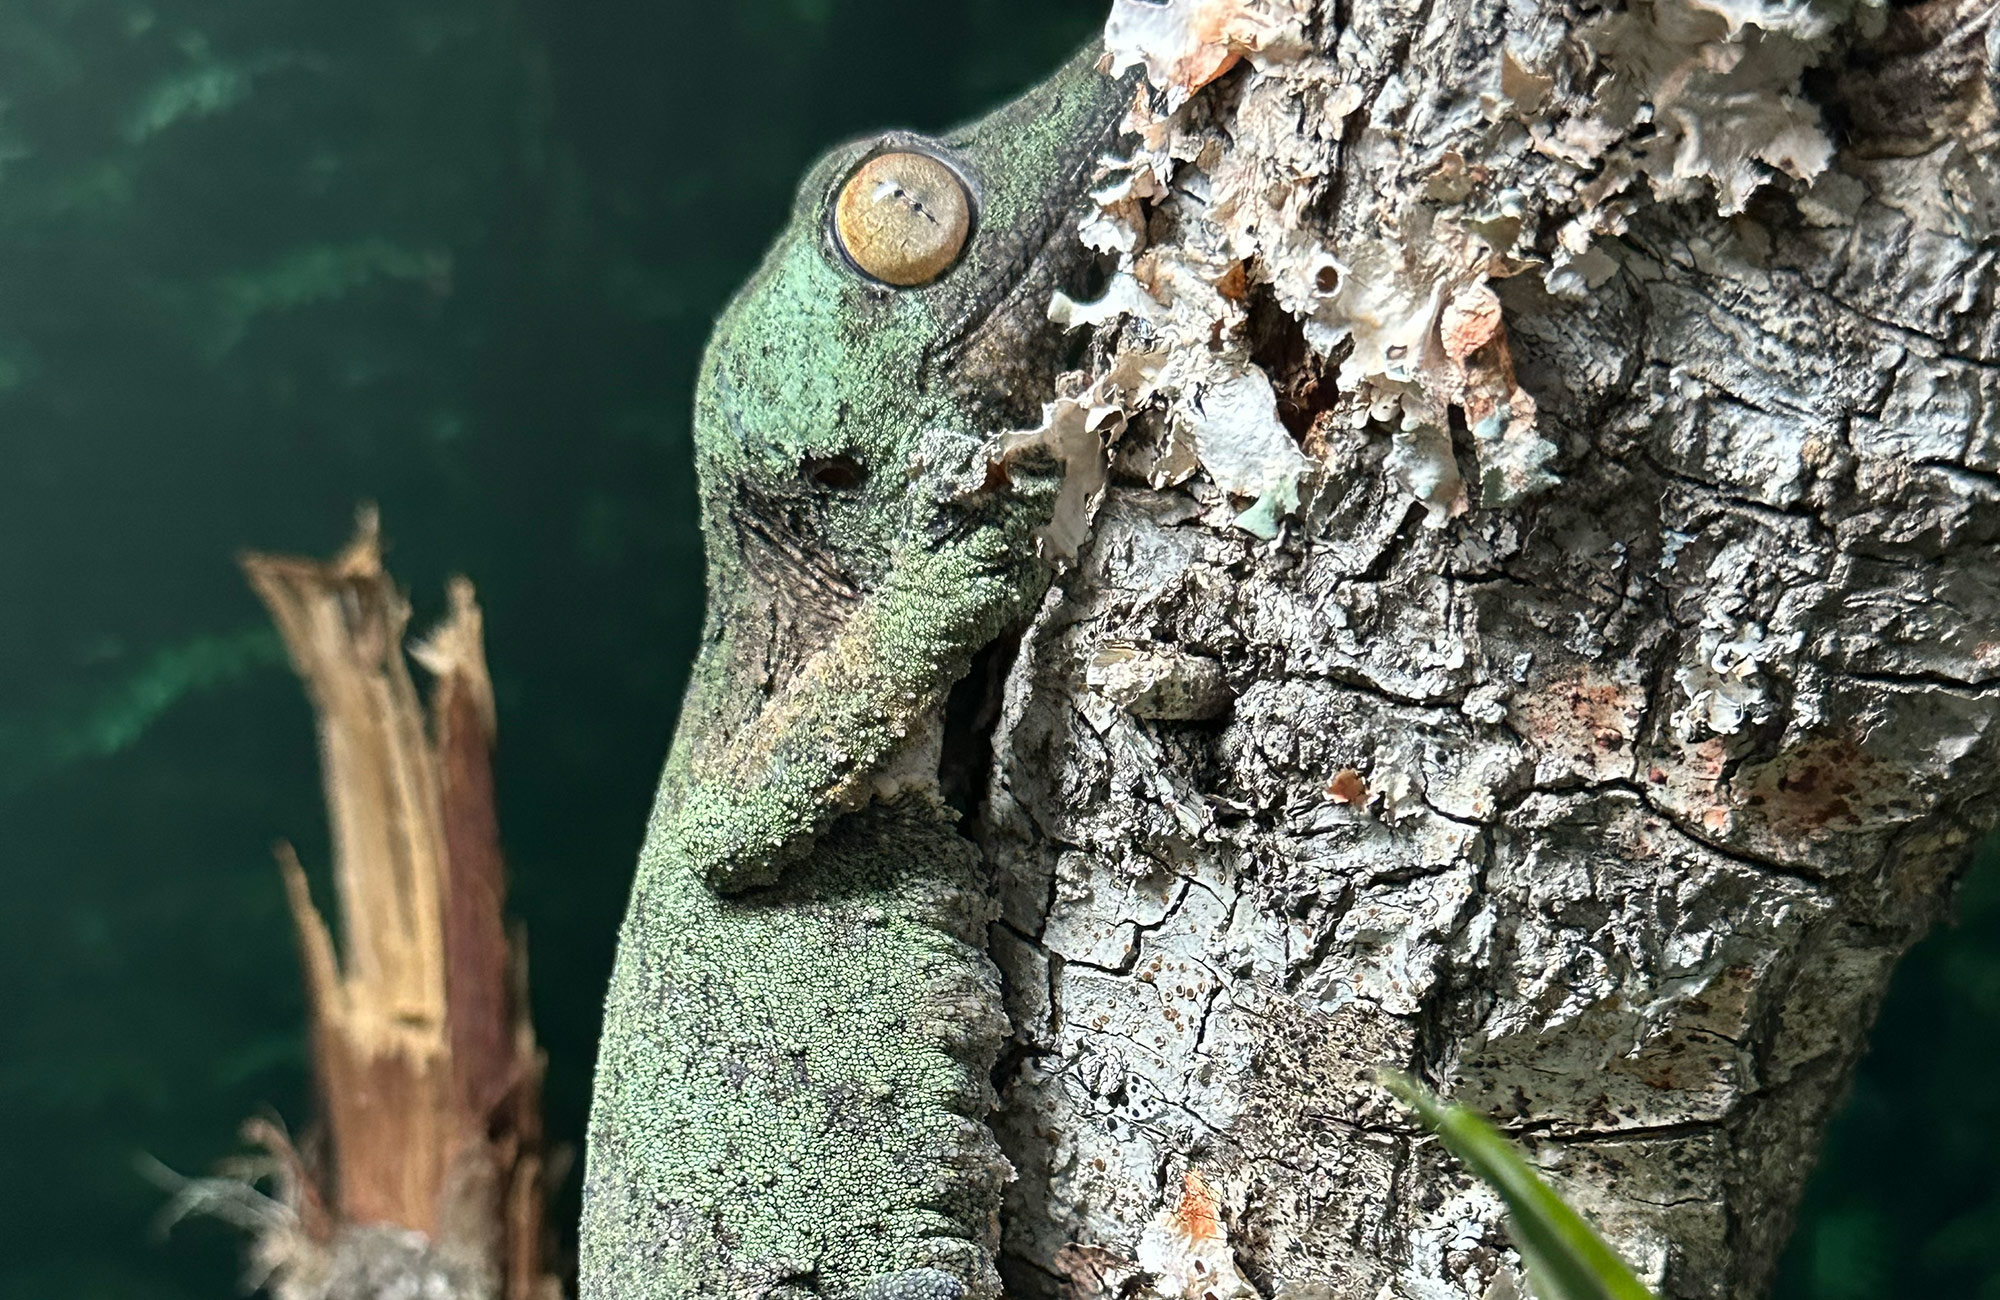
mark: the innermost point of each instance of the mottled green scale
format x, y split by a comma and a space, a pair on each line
802, 1021
788, 1136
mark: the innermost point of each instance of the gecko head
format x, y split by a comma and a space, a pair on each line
906, 299
845, 410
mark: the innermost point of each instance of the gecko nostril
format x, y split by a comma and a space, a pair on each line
840, 473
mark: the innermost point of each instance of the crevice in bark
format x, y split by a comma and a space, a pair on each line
965, 762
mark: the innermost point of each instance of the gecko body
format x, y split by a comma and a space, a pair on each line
794, 1071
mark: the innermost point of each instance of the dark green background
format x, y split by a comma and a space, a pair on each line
261, 261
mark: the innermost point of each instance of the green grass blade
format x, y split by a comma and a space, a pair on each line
1566, 1259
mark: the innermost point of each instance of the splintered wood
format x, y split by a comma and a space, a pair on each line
429, 1079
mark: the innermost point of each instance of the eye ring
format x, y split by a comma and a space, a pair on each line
902, 218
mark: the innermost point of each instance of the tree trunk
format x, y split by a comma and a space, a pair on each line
1543, 630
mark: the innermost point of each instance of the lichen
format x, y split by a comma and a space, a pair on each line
1675, 99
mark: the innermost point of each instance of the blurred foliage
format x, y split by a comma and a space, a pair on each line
265, 261
76, 730
1905, 1202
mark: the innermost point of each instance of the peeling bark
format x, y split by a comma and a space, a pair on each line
1567, 468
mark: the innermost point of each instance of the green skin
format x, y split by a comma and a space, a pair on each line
802, 1021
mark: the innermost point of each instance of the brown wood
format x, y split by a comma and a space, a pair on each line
427, 1070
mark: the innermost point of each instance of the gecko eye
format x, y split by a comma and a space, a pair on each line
902, 218
840, 473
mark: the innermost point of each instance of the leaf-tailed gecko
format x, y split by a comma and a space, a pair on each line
795, 1066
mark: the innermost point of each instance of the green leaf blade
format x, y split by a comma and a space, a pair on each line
1565, 1258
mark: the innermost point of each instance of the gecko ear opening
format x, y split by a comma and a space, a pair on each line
837, 473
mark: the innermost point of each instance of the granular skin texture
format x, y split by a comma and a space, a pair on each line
794, 1077
864, 1112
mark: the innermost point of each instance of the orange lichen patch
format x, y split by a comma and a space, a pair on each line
1235, 283
1347, 787
1583, 725
1186, 1251
1825, 786
1185, 44
1207, 54
1209, 64
1686, 782
1198, 1214
1708, 760
1819, 788
1210, 21
1469, 321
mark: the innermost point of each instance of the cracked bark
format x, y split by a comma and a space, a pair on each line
1608, 804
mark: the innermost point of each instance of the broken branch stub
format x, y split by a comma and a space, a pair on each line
428, 1075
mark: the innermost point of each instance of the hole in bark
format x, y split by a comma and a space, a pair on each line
1465, 452
969, 714
1092, 278
1278, 346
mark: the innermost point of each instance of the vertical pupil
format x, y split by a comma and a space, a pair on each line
903, 218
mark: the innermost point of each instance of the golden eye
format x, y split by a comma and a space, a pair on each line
903, 218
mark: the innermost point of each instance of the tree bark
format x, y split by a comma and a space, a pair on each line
1543, 630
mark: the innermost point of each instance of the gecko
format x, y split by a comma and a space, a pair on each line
794, 1073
